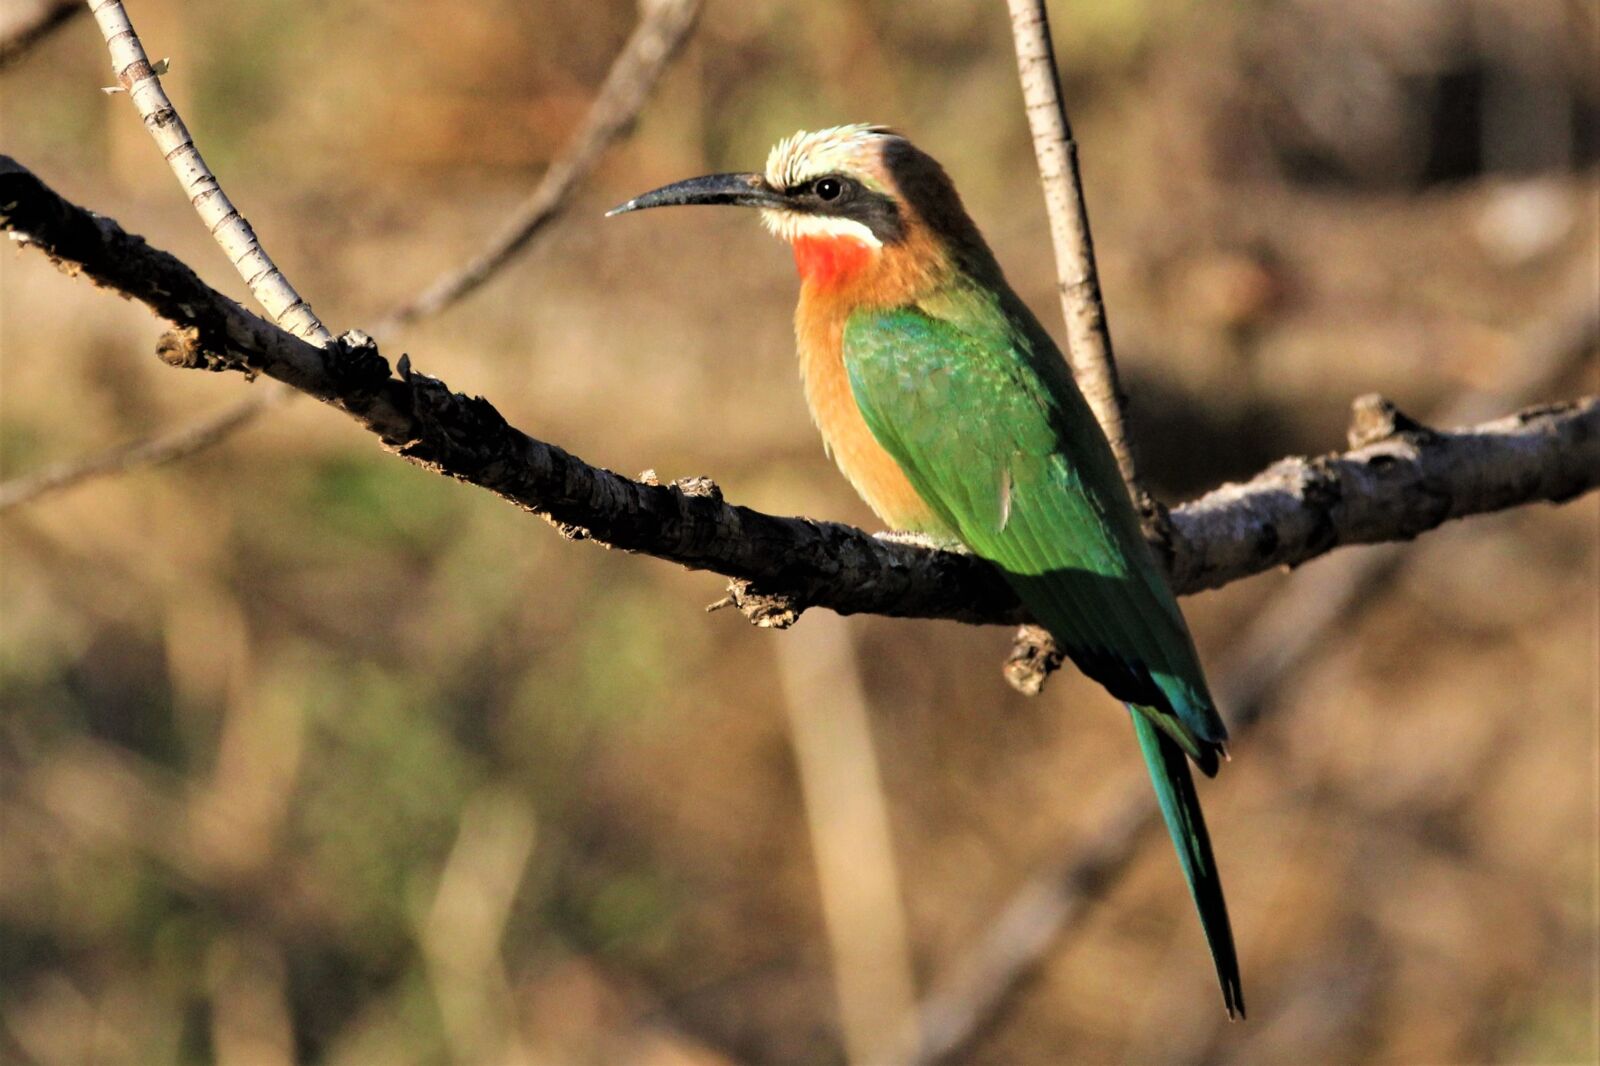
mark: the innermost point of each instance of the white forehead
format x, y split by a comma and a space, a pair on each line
805, 155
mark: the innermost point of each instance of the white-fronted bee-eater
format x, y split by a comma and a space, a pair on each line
951, 411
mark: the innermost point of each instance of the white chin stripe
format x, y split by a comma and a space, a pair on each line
792, 225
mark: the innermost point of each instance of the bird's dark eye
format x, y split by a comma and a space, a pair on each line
829, 188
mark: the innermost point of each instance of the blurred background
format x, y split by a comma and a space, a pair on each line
308, 755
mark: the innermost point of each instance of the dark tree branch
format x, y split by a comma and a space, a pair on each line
1391, 489
1400, 485
664, 26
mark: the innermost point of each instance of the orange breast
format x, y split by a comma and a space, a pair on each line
819, 333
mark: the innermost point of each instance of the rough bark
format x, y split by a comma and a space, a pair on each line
663, 28
1394, 488
1402, 484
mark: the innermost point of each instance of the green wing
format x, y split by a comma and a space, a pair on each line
975, 404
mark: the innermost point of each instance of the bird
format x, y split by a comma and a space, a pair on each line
953, 414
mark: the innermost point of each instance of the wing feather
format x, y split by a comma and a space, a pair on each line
975, 404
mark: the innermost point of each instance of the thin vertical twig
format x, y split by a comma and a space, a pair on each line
1088, 338
139, 79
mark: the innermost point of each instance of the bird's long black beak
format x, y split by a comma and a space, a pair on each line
743, 190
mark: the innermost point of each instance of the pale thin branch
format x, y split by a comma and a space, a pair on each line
634, 74
25, 25
139, 80
1088, 338
1391, 489
974, 994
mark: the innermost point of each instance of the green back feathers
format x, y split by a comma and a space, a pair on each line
972, 400
976, 405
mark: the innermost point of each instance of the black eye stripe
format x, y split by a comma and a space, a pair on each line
839, 196
827, 187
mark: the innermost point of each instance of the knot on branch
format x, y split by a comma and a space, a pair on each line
187, 348
1034, 656
769, 610
358, 370
466, 429
699, 485
1374, 417
1156, 522
1321, 490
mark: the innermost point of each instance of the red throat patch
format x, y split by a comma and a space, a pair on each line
829, 261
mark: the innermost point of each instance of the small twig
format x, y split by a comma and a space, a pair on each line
143, 86
26, 26
149, 451
1393, 489
634, 74
661, 32
271, 289
1088, 338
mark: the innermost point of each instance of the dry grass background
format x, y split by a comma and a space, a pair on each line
308, 755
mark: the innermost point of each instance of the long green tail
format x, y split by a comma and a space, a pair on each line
1180, 808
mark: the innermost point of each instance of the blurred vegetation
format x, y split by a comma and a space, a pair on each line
307, 755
